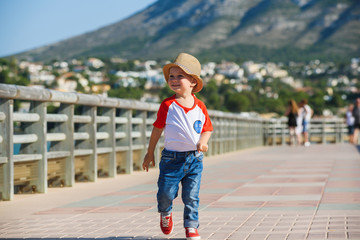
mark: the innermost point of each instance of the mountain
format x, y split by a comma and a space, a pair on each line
214, 29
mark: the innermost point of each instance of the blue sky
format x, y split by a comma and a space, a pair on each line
27, 24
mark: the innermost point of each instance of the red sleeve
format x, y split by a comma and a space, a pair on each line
162, 113
207, 127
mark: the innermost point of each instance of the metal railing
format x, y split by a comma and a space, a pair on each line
90, 136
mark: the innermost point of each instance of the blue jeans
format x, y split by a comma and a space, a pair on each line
305, 126
184, 167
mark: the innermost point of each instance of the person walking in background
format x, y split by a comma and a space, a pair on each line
307, 113
356, 115
350, 120
299, 123
292, 112
187, 130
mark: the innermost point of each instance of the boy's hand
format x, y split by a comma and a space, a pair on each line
149, 158
201, 147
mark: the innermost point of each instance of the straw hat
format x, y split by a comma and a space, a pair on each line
188, 64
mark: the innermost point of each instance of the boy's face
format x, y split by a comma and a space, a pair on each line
179, 81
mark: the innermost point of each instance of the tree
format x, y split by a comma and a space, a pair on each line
212, 97
317, 102
128, 92
237, 102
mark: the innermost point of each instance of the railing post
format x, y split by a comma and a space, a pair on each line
234, 134
238, 135
283, 128
260, 133
129, 154
342, 125
273, 132
92, 111
91, 143
248, 132
40, 146
112, 139
339, 133
68, 129
266, 135
7, 149
110, 128
143, 130
215, 137
222, 136
323, 131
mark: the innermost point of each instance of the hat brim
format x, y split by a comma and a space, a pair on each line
199, 81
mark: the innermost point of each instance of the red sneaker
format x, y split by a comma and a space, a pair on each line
192, 234
166, 224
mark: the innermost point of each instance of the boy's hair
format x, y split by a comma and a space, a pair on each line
190, 65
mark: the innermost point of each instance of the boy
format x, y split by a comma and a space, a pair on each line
187, 130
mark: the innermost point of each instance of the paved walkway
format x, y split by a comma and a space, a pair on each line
263, 193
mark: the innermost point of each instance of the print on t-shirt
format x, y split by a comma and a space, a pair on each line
197, 126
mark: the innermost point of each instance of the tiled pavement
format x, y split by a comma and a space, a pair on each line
263, 193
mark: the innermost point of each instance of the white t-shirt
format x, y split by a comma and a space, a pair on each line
350, 119
307, 113
182, 126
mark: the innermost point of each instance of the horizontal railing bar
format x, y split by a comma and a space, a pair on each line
102, 135
56, 117
103, 150
82, 152
102, 119
3, 160
121, 120
82, 119
136, 134
150, 121
50, 137
58, 154
25, 117
137, 147
136, 120
81, 136
120, 135
27, 157
25, 138
121, 148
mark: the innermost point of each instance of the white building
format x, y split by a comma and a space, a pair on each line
95, 63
